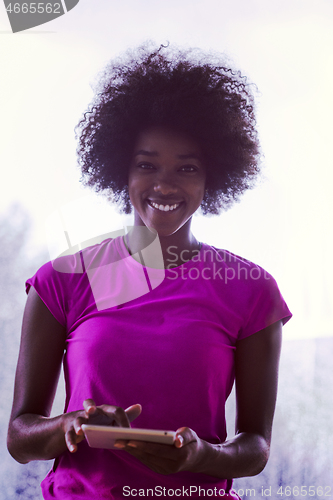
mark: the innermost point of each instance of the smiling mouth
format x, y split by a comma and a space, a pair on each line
163, 208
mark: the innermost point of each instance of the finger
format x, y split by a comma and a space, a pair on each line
118, 415
89, 406
77, 425
133, 412
179, 441
184, 436
160, 458
120, 444
70, 439
157, 450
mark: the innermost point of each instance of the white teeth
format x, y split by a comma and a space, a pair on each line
164, 208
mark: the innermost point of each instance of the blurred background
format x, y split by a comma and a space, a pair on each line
284, 224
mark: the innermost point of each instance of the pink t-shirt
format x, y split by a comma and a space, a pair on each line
164, 339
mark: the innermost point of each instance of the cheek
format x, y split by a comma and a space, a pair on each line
199, 191
136, 190
132, 186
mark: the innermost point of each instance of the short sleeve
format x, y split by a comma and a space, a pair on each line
267, 308
50, 287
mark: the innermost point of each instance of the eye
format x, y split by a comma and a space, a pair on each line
189, 168
145, 166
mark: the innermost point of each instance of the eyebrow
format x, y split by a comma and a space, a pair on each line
146, 153
155, 153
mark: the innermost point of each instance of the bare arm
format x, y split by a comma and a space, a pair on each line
32, 434
41, 351
257, 360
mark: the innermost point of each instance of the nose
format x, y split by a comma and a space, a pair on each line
164, 184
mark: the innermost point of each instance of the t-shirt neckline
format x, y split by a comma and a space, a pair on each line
184, 268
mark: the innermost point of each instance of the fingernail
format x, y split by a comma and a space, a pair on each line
181, 441
132, 445
120, 446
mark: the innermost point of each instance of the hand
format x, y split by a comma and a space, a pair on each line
95, 415
185, 454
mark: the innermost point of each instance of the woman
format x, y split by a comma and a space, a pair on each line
155, 317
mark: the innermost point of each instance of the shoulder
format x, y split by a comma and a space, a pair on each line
68, 265
63, 283
247, 285
235, 268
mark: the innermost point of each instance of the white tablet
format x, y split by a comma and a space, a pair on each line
104, 436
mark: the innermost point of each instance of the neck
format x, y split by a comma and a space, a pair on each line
176, 252
176, 248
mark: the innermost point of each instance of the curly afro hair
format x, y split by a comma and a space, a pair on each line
186, 91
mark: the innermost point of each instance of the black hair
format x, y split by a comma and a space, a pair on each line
186, 91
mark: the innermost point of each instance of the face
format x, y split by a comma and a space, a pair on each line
166, 180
